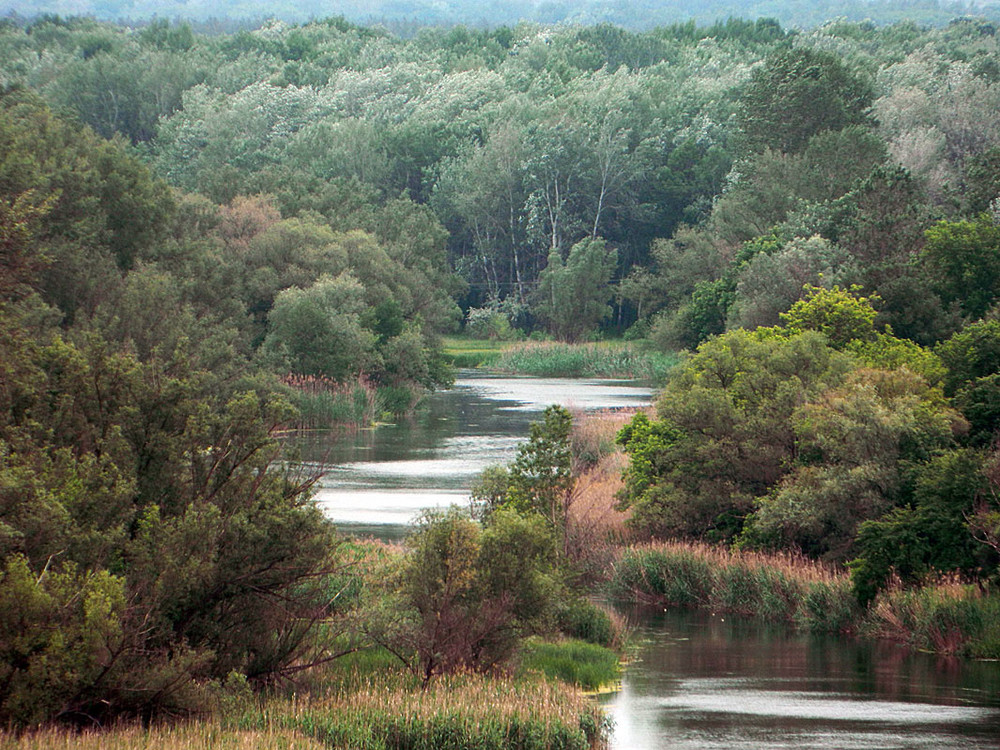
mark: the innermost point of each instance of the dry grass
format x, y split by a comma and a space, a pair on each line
206, 735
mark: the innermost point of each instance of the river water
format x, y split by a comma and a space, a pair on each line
377, 481
704, 682
698, 681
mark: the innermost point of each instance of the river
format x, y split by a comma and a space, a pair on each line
698, 681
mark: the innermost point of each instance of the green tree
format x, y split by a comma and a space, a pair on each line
842, 315
469, 594
540, 480
319, 331
798, 93
963, 259
572, 296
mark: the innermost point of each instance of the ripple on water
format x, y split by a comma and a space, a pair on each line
819, 706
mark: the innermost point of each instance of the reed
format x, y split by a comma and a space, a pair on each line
199, 735
323, 403
946, 616
464, 352
455, 712
778, 587
606, 360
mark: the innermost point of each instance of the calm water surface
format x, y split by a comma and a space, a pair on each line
699, 682
378, 480
711, 683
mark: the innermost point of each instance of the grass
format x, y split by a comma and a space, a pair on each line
945, 616
603, 360
777, 587
324, 403
379, 713
457, 712
200, 735
613, 359
465, 352
586, 665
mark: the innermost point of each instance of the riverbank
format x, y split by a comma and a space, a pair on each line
606, 359
378, 711
945, 616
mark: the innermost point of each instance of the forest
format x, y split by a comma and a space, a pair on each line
208, 240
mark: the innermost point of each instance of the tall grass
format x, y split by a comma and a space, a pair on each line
945, 616
459, 712
461, 351
324, 403
586, 665
777, 587
200, 735
607, 360
454, 713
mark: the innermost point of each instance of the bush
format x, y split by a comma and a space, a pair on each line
586, 621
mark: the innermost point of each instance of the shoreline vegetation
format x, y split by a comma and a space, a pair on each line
945, 616
554, 359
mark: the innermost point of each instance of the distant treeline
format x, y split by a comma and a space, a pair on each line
405, 18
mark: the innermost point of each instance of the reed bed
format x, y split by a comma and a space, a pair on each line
946, 616
778, 587
323, 403
203, 735
470, 353
557, 360
454, 713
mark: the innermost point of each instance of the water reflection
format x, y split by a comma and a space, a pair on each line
381, 479
711, 682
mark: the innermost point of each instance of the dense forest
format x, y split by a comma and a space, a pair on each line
207, 239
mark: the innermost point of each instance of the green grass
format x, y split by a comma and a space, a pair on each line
579, 663
603, 360
454, 713
470, 353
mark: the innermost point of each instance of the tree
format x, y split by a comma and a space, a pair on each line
572, 295
855, 444
842, 315
318, 330
798, 93
469, 594
963, 259
540, 480
724, 433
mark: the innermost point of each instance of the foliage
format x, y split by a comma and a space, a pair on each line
843, 316
798, 93
724, 432
469, 594
571, 293
540, 480
964, 262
